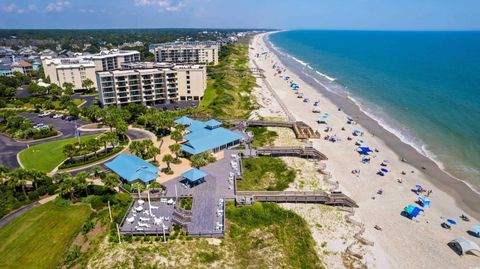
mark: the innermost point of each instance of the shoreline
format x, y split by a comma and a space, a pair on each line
465, 195
381, 198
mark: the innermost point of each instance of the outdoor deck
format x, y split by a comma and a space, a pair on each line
302, 152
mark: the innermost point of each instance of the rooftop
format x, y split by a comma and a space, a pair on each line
132, 168
206, 136
194, 174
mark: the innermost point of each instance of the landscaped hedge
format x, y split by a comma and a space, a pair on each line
91, 159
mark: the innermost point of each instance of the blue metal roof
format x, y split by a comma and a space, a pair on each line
194, 174
184, 121
195, 125
213, 123
132, 168
202, 139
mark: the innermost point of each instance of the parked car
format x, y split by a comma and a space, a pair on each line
56, 116
44, 114
38, 126
70, 118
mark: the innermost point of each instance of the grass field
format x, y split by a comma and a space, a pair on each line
229, 85
46, 156
265, 174
40, 237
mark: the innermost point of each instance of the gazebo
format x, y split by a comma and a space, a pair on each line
194, 176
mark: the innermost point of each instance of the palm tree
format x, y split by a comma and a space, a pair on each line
154, 185
70, 151
68, 88
87, 84
175, 149
176, 136
137, 186
111, 181
153, 151
68, 187
83, 180
167, 158
137, 148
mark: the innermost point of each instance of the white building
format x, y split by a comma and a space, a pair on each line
113, 59
187, 52
151, 84
71, 70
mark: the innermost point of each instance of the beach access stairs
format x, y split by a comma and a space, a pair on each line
312, 197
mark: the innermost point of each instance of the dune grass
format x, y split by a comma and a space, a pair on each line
265, 174
291, 238
40, 237
46, 156
229, 85
262, 136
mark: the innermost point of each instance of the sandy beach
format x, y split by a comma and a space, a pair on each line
402, 243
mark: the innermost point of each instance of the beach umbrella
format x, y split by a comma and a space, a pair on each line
384, 170
451, 221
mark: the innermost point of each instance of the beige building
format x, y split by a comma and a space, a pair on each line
113, 59
151, 84
187, 52
22, 66
76, 70
71, 70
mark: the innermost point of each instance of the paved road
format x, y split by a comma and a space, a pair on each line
9, 147
89, 99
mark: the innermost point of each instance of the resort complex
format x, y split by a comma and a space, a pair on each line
225, 148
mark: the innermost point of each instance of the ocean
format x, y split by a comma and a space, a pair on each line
422, 86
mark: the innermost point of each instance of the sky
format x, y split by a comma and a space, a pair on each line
272, 14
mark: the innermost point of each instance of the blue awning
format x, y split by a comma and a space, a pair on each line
194, 174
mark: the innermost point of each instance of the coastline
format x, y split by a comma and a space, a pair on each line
464, 194
401, 240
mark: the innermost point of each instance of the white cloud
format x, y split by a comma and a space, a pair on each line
57, 6
20, 10
162, 5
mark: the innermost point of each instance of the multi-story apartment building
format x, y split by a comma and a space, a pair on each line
113, 59
151, 84
76, 70
187, 52
71, 70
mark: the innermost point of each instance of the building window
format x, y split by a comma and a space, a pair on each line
188, 92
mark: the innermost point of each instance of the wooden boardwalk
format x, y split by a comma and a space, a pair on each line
333, 198
302, 152
300, 128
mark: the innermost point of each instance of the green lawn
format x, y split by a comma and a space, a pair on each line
40, 237
265, 174
46, 156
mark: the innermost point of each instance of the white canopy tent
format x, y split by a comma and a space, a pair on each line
463, 246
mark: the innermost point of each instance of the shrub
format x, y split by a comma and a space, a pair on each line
33, 196
51, 189
96, 202
42, 190
59, 201
87, 226
72, 254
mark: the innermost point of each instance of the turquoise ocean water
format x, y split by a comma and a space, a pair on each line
422, 86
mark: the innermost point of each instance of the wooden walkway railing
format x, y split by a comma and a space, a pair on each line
302, 152
333, 199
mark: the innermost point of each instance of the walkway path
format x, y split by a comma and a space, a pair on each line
15, 214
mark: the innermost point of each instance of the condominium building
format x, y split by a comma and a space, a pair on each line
76, 70
71, 70
113, 59
151, 84
187, 52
